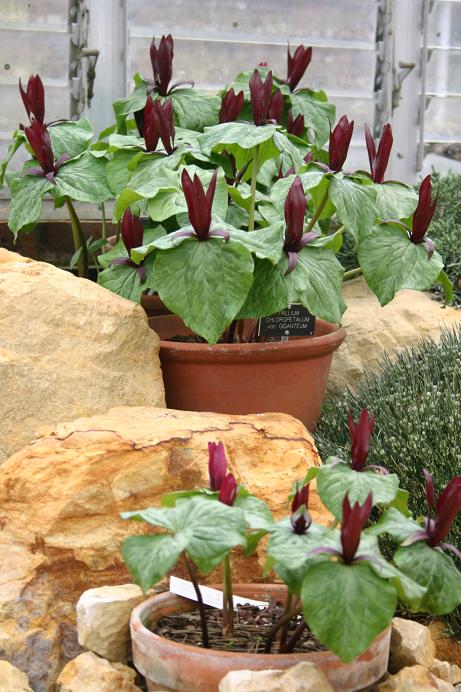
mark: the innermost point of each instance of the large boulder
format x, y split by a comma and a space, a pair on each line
373, 331
60, 499
68, 348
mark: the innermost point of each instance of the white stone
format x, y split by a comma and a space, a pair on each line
103, 617
89, 673
304, 677
411, 645
12, 679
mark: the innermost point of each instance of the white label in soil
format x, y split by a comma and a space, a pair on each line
210, 597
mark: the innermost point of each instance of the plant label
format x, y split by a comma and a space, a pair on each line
210, 597
295, 320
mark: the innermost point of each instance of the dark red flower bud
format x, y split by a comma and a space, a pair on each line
340, 138
289, 171
260, 95
354, 519
360, 434
40, 142
131, 230
297, 65
262, 64
379, 161
34, 98
199, 204
231, 105
157, 123
275, 110
301, 520
162, 63
295, 208
295, 126
217, 464
447, 508
228, 490
424, 212
300, 498
150, 130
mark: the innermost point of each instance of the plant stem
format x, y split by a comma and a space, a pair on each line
286, 617
117, 235
228, 601
103, 221
284, 634
295, 637
352, 273
254, 174
201, 607
317, 212
79, 239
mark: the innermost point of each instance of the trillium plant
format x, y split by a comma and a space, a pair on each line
244, 197
339, 584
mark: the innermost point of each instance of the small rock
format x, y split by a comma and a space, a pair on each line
446, 671
12, 679
89, 673
304, 677
412, 678
103, 617
411, 645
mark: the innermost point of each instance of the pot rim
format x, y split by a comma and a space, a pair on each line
169, 598
299, 348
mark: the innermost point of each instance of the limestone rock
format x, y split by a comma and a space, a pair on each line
446, 671
413, 678
373, 330
68, 348
304, 677
12, 680
61, 496
411, 645
89, 673
103, 619
446, 648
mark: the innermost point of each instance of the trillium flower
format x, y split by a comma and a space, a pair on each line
231, 105
261, 102
289, 171
447, 507
360, 435
217, 464
295, 126
40, 143
423, 216
295, 208
34, 98
157, 123
340, 139
199, 207
354, 520
379, 160
228, 490
300, 517
132, 232
297, 65
162, 66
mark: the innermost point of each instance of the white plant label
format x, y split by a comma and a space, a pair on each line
210, 597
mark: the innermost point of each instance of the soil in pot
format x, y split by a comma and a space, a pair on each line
252, 627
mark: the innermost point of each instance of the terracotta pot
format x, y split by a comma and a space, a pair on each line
168, 665
153, 306
288, 377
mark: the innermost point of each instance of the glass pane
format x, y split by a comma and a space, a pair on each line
442, 122
57, 104
303, 20
445, 25
24, 52
49, 12
213, 63
444, 72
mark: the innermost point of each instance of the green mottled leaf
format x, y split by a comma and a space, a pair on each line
391, 262
70, 137
27, 192
195, 110
84, 179
395, 200
124, 280
434, 570
335, 480
347, 606
355, 205
319, 115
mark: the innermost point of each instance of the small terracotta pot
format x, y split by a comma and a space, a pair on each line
167, 665
287, 377
153, 306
